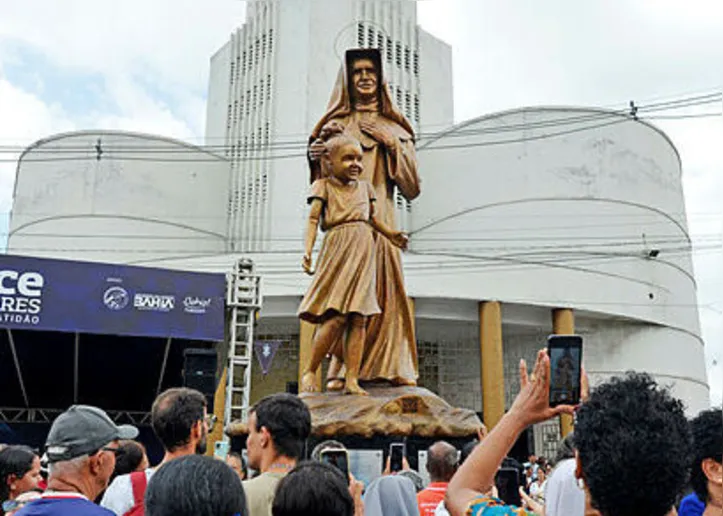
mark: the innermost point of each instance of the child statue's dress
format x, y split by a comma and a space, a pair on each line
345, 277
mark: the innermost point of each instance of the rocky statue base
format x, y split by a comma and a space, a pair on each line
388, 411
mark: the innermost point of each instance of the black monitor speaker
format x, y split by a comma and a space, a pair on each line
199, 372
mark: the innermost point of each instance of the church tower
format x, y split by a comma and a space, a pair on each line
270, 83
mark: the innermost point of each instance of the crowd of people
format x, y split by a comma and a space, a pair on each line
633, 453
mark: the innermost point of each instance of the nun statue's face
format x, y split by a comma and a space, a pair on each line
364, 79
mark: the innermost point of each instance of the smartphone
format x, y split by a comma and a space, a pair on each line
337, 457
220, 450
565, 352
507, 481
396, 457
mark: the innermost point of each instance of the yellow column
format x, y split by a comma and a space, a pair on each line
306, 344
492, 369
563, 323
219, 407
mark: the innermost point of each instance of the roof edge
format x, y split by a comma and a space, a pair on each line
113, 132
549, 108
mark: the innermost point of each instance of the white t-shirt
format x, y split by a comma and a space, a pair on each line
119, 495
537, 490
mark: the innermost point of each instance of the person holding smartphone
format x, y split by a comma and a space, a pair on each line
628, 428
465, 494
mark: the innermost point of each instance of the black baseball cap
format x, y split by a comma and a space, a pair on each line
83, 429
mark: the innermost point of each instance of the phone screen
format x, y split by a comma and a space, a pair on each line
565, 352
507, 481
338, 458
396, 457
220, 450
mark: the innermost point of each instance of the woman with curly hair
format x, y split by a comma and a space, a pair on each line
633, 447
19, 473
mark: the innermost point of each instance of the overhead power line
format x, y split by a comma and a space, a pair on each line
553, 252
592, 115
261, 151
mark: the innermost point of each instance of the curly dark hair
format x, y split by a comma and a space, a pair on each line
707, 429
635, 446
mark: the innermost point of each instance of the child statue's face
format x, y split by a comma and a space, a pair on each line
346, 161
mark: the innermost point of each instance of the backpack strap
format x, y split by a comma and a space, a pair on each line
139, 481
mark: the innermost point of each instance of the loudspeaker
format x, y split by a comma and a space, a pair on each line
199, 372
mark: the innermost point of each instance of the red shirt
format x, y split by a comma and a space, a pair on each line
428, 499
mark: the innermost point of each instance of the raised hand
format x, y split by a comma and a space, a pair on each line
316, 150
356, 489
532, 404
378, 133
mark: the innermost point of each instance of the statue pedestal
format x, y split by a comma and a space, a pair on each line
403, 411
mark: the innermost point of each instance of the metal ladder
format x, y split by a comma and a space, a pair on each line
243, 300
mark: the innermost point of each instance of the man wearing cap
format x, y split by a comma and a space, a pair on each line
81, 447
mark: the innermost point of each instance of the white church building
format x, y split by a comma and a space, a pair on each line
530, 221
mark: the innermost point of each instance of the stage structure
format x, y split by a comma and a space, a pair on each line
100, 334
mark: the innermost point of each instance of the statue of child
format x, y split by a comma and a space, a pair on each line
343, 292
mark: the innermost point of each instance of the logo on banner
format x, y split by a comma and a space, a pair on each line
196, 305
265, 352
116, 298
21, 297
154, 302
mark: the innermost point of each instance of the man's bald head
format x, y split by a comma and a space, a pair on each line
441, 461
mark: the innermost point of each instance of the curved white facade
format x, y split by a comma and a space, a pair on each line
562, 207
145, 197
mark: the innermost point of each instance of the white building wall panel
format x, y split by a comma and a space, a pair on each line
435, 84
569, 219
218, 105
146, 197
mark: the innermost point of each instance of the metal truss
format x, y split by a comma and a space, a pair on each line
45, 415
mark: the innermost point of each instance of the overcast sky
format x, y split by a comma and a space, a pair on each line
143, 65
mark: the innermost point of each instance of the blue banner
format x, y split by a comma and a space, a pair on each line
85, 297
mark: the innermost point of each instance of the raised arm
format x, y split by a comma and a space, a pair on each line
312, 227
532, 405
